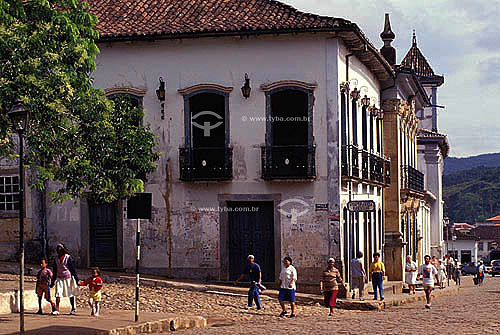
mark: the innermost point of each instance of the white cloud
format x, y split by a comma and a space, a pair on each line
459, 39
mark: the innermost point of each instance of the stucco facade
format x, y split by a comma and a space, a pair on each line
190, 231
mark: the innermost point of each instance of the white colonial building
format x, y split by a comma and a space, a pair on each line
250, 136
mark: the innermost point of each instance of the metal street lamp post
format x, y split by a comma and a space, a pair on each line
18, 115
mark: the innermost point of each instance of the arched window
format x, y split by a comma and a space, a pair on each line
354, 122
206, 154
371, 133
364, 127
131, 101
289, 152
379, 135
131, 96
343, 126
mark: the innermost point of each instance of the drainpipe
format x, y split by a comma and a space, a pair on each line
349, 183
168, 205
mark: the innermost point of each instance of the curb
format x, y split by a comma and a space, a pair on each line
159, 326
9, 301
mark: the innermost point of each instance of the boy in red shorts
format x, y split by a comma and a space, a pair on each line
43, 278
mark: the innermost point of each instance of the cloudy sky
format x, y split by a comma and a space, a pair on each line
460, 39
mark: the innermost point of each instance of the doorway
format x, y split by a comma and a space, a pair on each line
251, 232
103, 235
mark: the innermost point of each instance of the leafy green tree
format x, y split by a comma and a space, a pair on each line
77, 137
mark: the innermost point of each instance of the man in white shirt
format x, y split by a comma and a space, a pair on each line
288, 277
429, 273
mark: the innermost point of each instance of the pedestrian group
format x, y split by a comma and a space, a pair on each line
433, 273
64, 282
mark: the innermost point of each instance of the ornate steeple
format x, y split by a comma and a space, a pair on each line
416, 61
388, 36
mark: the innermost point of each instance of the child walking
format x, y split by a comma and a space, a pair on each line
95, 286
43, 278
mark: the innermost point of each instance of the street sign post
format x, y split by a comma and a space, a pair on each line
361, 206
139, 207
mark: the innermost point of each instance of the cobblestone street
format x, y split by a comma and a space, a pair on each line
473, 311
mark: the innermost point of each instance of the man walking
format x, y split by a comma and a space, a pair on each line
358, 276
252, 270
428, 273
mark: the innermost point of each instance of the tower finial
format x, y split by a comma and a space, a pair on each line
414, 38
388, 36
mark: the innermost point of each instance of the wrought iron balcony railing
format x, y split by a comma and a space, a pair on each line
374, 168
288, 162
205, 164
412, 179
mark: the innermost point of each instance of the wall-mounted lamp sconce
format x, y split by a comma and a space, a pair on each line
160, 93
246, 89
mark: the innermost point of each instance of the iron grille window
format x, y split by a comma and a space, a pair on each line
9, 193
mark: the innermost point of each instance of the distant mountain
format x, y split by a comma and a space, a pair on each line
472, 195
454, 164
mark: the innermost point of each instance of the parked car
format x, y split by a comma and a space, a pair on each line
469, 269
495, 267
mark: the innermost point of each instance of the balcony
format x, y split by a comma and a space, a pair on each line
374, 169
288, 162
206, 164
412, 179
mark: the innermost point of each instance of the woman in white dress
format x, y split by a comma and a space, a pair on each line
65, 278
411, 274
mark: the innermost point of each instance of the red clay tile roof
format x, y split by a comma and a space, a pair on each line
465, 235
487, 232
426, 136
495, 218
415, 60
120, 18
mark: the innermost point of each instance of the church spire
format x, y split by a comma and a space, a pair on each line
388, 36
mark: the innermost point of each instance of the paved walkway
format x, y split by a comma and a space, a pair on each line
109, 322
473, 311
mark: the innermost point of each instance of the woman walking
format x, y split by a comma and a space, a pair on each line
411, 274
329, 285
441, 274
65, 279
288, 277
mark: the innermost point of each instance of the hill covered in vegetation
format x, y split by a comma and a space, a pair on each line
472, 194
456, 164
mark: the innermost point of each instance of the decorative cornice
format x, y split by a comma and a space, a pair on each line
285, 83
390, 105
199, 87
140, 92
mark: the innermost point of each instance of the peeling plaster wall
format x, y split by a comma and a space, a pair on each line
183, 238
195, 219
